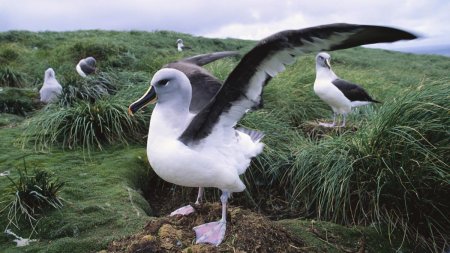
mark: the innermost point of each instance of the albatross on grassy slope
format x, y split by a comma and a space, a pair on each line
205, 149
181, 46
86, 66
337, 93
51, 88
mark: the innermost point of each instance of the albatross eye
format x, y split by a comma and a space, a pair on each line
163, 82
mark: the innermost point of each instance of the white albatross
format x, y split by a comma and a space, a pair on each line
339, 94
51, 88
205, 149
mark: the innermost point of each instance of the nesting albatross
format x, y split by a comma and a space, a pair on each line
51, 88
181, 46
340, 94
206, 149
86, 66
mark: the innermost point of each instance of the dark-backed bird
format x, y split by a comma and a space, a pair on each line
339, 94
51, 88
206, 149
86, 66
181, 46
204, 85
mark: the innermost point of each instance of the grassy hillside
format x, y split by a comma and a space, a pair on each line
388, 170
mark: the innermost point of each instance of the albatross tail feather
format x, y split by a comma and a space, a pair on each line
255, 135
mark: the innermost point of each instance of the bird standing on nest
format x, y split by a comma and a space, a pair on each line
340, 94
51, 88
86, 66
205, 149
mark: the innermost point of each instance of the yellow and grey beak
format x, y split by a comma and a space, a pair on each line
148, 98
327, 61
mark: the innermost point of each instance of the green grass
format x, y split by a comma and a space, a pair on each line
84, 124
19, 101
101, 201
11, 78
33, 194
391, 174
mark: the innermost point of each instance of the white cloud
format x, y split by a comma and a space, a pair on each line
257, 30
250, 19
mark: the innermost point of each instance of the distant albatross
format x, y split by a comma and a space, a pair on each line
205, 149
181, 46
337, 93
86, 66
51, 88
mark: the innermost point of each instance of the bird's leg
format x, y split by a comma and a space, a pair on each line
214, 232
328, 124
199, 196
343, 120
186, 210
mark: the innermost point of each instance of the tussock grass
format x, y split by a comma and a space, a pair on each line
18, 101
393, 172
11, 78
84, 124
88, 89
32, 195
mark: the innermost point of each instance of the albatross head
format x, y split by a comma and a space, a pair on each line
323, 60
49, 73
169, 87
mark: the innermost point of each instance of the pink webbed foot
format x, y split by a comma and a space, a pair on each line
212, 233
185, 210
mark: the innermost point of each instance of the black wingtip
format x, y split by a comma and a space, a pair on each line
371, 34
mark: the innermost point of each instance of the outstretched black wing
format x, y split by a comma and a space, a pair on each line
242, 89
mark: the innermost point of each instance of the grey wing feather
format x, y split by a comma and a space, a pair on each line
203, 59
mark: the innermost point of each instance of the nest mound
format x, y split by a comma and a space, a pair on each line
246, 232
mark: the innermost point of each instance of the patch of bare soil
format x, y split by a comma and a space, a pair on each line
246, 232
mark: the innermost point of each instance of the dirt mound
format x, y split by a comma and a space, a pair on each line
246, 232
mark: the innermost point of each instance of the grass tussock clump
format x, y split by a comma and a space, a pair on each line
393, 172
84, 124
88, 89
18, 101
32, 194
11, 78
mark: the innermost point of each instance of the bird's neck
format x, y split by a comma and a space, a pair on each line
325, 73
169, 121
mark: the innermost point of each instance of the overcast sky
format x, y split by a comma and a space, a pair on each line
246, 19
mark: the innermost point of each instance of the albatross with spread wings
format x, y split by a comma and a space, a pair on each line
204, 148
